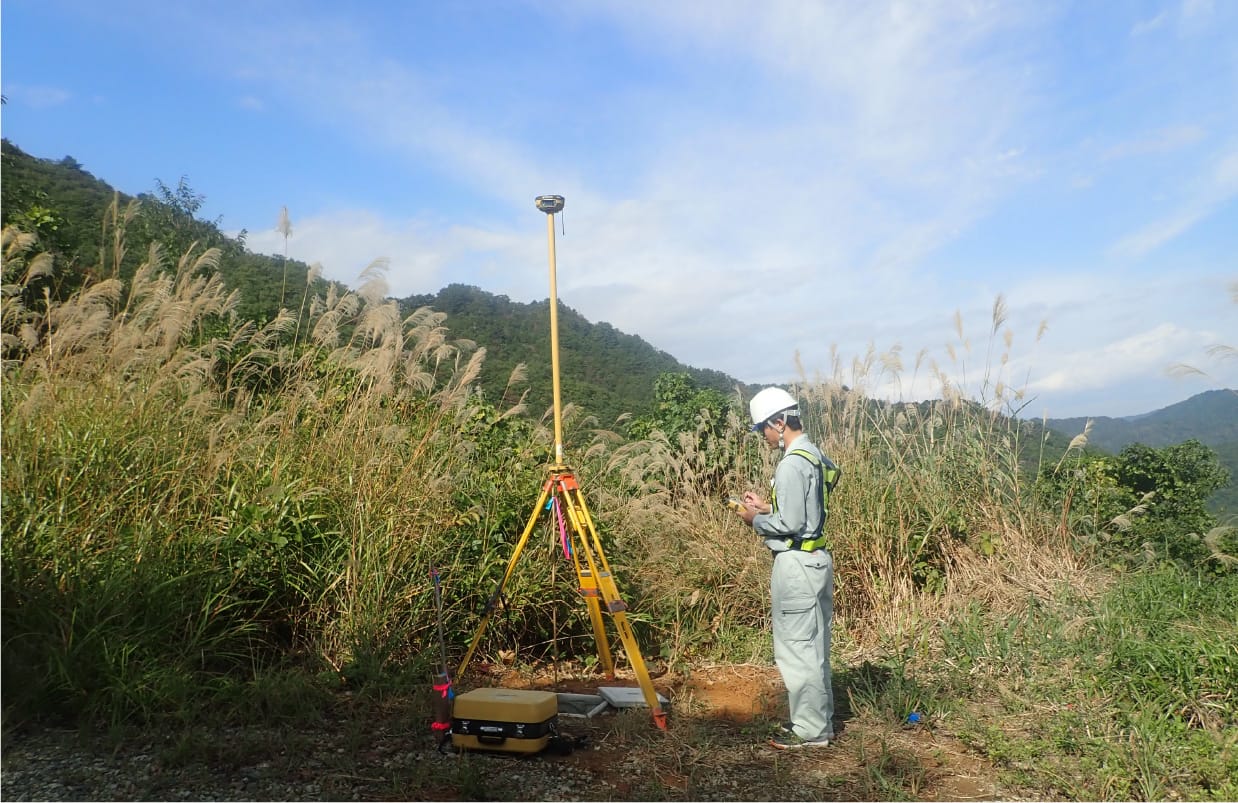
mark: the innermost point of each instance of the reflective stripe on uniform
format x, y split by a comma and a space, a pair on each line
828, 475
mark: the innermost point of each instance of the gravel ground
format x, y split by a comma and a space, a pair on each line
384, 762
383, 750
50, 764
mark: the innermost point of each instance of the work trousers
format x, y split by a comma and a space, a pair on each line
802, 597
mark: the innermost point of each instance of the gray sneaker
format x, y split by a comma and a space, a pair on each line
789, 741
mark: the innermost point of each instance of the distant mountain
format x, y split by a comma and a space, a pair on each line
603, 370
1210, 417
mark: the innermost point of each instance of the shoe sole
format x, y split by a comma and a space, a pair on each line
800, 746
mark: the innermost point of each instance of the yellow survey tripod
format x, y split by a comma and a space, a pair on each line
561, 493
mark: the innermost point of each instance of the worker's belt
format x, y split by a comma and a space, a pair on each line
803, 545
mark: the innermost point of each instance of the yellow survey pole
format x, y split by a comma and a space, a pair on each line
550, 204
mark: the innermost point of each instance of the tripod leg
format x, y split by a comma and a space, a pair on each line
493, 602
638, 667
589, 590
602, 581
586, 572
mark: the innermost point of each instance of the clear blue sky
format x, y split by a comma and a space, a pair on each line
745, 182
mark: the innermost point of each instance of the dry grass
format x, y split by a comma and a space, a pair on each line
302, 490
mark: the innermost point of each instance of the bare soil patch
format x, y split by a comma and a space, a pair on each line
720, 717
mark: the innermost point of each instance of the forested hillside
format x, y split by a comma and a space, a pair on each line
604, 371
67, 206
1210, 418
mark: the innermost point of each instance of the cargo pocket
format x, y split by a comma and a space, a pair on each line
797, 619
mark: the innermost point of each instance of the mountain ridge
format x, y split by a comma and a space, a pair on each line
603, 369
1211, 417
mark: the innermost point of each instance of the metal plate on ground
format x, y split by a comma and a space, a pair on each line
627, 697
586, 706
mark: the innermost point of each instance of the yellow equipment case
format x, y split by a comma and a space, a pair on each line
510, 720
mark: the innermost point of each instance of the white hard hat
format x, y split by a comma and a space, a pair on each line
770, 402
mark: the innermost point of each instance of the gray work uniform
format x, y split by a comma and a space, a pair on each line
801, 592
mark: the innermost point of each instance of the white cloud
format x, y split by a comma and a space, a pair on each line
1157, 233
1204, 195
36, 96
1197, 9
1165, 140
1107, 363
880, 102
421, 258
1149, 25
1192, 18
1224, 180
905, 85
1124, 332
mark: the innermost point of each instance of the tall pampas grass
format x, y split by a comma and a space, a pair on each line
284, 227
295, 491
933, 512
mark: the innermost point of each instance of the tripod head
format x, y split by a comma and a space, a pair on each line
550, 203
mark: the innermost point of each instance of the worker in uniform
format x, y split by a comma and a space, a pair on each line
792, 525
